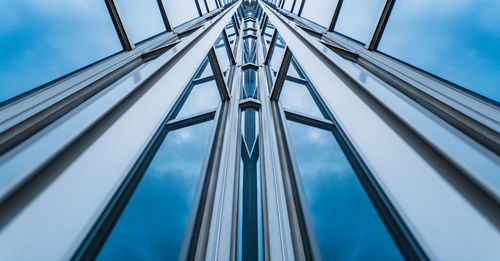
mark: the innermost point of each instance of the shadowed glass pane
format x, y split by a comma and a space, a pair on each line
180, 11
320, 11
44, 40
141, 18
296, 96
346, 223
456, 40
358, 18
203, 97
152, 224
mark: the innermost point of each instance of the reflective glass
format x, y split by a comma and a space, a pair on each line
320, 11
180, 11
277, 55
358, 18
211, 5
151, 227
44, 40
288, 5
142, 19
292, 71
455, 40
222, 55
203, 97
347, 225
296, 96
296, 8
202, 6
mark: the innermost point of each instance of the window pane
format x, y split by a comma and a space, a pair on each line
288, 5
320, 11
456, 40
44, 40
202, 6
277, 55
211, 5
296, 8
180, 11
346, 223
142, 19
296, 96
358, 18
152, 224
222, 54
203, 97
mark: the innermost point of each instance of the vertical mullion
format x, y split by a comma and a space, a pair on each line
119, 26
302, 7
164, 15
198, 7
206, 6
335, 15
379, 29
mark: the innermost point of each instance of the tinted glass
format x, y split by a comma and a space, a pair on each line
203, 97
152, 224
141, 18
44, 40
180, 11
358, 18
456, 40
296, 96
320, 11
346, 223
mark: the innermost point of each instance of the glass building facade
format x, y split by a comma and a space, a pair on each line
249, 130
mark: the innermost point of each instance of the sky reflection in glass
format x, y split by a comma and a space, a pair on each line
203, 97
358, 18
152, 224
456, 40
142, 19
180, 11
277, 55
296, 96
222, 54
44, 40
346, 223
319, 11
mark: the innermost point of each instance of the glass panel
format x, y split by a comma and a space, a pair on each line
456, 40
288, 5
142, 19
180, 11
347, 225
249, 84
358, 18
44, 40
211, 5
296, 96
320, 11
292, 71
222, 55
277, 55
296, 8
206, 72
152, 224
203, 97
203, 8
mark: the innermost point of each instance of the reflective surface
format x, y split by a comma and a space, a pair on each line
288, 5
320, 11
222, 55
296, 8
180, 11
203, 97
346, 223
456, 40
211, 5
152, 224
297, 97
358, 18
142, 19
44, 40
277, 55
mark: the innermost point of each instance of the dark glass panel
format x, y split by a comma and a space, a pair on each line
44, 40
347, 225
457, 41
319, 11
141, 18
358, 18
152, 224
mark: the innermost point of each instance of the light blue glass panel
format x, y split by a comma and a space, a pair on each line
152, 224
346, 223
358, 18
288, 5
203, 97
44, 40
296, 8
142, 19
180, 11
277, 55
296, 96
202, 6
455, 40
211, 5
320, 11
